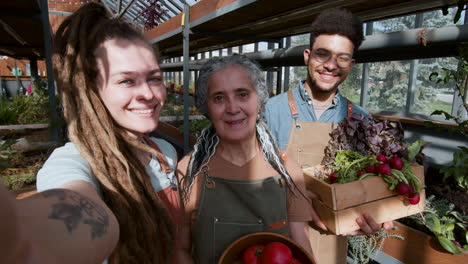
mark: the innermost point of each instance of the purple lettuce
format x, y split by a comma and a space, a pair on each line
368, 136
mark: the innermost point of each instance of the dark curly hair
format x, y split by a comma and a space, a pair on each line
338, 21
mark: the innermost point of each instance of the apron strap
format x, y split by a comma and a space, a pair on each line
159, 156
292, 105
350, 108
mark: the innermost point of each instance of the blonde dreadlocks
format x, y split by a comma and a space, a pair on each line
146, 229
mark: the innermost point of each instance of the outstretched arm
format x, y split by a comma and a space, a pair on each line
69, 225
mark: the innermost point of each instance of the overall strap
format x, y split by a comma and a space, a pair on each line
292, 105
350, 108
159, 155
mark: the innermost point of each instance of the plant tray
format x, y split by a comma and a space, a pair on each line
339, 205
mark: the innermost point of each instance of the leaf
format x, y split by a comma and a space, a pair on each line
415, 148
7, 144
433, 223
448, 245
445, 10
441, 112
433, 76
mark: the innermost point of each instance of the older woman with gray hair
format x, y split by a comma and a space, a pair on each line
235, 176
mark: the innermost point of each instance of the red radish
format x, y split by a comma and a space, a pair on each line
413, 198
361, 172
404, 189
370, 169
396, 163
382, 158
384, 169
332, 177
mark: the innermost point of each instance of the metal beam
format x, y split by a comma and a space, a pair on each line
186, 35
365, 71
234, 36
119, 6
50, 73
10, 13
60, 13
403, 8
176, 5
304, 11
440, 42
125, 9
107, 7
169, 8
12, 32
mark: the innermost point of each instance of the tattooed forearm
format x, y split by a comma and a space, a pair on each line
74, 209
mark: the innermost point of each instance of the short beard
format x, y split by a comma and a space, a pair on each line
316, 88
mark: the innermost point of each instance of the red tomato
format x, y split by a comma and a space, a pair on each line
295, 261
253, 255
276, 253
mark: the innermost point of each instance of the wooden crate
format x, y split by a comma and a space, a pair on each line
340, 204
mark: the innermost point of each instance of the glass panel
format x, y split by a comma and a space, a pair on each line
297, 74
303, 39
394, 24
351, 87
388, 86
428, 95
435, 19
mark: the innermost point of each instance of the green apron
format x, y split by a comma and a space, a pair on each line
229, 209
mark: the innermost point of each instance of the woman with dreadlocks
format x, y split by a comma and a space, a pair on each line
111, 191
235, 175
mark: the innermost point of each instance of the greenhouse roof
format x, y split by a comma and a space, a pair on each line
21, 34
216, 24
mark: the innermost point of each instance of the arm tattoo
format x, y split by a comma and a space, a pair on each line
72, 208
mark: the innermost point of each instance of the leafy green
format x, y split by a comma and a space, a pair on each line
415, 148
367, 136
440, 219
448, 245
458, 171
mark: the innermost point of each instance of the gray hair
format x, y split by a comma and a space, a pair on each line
205, 149
218, 63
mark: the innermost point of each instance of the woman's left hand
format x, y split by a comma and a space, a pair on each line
315, 218
369, 226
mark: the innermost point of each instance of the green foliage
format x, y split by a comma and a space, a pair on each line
31, 109
458, 171
18, 181
448, 225
363, 248
196, 126
5, 154
389, 85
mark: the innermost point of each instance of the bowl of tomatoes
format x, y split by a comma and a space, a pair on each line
265, 247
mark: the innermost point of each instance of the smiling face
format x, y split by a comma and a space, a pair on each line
232, 104
326, 76
130, 84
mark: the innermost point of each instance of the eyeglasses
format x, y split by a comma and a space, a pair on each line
323, 55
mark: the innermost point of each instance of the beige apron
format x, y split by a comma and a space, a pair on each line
307, 141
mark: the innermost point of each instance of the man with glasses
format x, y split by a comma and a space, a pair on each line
302, 119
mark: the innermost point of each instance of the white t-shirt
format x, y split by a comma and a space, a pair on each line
66, 164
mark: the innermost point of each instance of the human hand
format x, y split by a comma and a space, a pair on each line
369, 226
315, 218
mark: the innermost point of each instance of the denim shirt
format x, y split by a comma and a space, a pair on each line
279, 119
